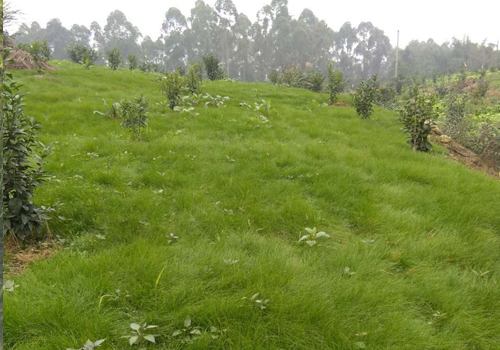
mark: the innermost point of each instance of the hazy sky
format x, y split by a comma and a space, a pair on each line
439, 19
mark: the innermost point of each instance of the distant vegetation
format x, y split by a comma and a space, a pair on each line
275, 42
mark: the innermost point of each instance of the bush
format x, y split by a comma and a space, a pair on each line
214, 72
457, 122
22, 166
314, 81
134, 115
336, 83
481, 88
416, 112
195, 77
365, 96
42, 48
114, 59
387, 97
173, 86
274, 76
82, 54
132, 62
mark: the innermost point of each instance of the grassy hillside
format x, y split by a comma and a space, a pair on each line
413, 261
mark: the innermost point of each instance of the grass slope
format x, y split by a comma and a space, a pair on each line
412, 227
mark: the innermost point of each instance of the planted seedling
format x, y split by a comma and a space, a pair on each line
245, 105
189, 111
217, 101
256, 301
113, 111
9, 286
312, 236
89, 345
139, 334
189, 333
172, 238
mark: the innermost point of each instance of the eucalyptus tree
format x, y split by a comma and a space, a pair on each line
172, 37
121, 34
227, 15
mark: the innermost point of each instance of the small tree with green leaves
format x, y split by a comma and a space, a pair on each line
82, 54
365, 96
132, 62
195, 77
214, 72
134, 115
336, 83
416, 111
173, 86
23, 157
114, 59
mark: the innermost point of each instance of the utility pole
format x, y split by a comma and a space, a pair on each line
397, 56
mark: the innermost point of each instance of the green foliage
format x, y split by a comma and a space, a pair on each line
365, 96
315, 105
481, 88
139, 334
39, 51
387, 97
195, 78
212, 63
114, 59
82, 54
134, 115
90, 345
215, 101
313, 80
189, 333
312, 235
274, 76
22, 166
416, 112
336, 83
148, 66
457, 121
132, 62
173, 86
113, 112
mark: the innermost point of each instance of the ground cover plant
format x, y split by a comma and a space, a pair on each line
201, 221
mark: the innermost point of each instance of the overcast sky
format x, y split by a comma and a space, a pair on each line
439, 19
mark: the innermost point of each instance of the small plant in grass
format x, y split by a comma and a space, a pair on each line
257, 302
336, 83
23, 160
274, 77
189, 110
87, 63
79, 54
312, 235
173, 86
189, 333
416, 112
264, 108
134, 115
315, 105
114, 59
113, 296
113, 112
365, 96
172, 238
245, 105
192, 100
90, 345
139, 334
9, 286
132, 62
215, 101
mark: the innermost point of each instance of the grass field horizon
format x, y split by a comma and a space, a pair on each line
412, 261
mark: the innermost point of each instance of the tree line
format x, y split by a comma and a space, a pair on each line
275, 41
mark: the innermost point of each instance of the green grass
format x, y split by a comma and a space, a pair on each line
412, 226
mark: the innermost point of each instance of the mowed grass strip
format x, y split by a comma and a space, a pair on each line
413, 261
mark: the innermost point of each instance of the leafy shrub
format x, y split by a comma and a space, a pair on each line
291, 77
365, 96
215, 101
387, 97
39, 51
274, 76
173, 86
457, 121
336, 83
114, 59
132, 62
214, 72
481, 88
80, 54
195, 77
313, 80
22, 166
134, 115
416, 112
